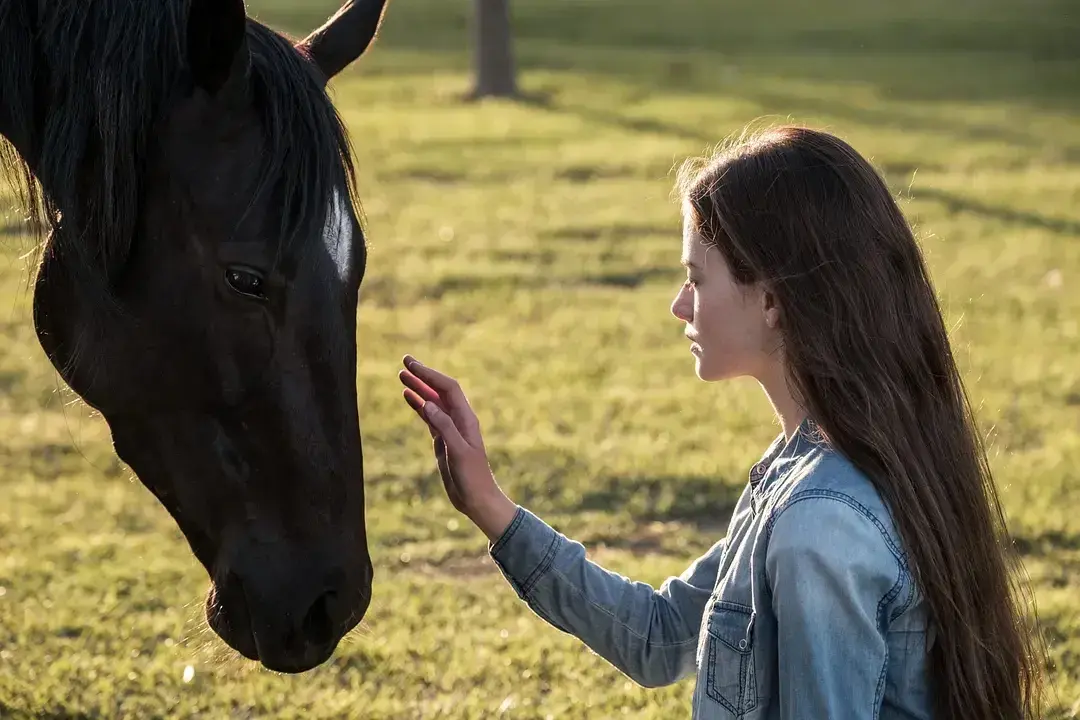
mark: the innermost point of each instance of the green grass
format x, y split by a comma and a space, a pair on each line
532, 250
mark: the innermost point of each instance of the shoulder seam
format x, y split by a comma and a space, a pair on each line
821, 493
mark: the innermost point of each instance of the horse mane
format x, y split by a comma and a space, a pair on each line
107, 72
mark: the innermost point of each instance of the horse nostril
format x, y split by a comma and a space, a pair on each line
317, 627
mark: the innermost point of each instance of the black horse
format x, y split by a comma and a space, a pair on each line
199, 282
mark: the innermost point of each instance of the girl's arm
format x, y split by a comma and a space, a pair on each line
650, 635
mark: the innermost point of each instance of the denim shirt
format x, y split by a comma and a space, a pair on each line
806, 609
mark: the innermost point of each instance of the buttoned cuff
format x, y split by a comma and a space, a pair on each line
526, 551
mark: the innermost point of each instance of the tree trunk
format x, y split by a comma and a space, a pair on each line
496, 74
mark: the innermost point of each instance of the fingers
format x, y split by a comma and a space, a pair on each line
417, 393
417, 404
444, 426
446, 386
435, 386
439, 423
415, 401
439, 446
418, 386
429, 386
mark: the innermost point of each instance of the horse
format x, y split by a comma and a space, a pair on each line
201, 254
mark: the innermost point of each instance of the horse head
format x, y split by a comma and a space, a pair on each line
199, 288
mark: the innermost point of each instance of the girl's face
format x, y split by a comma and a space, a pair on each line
733, 328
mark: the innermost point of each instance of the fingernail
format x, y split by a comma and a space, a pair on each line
430, 409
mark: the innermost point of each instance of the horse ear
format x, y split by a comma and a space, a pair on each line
344, 37
217, 42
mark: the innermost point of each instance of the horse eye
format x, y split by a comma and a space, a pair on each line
245, 282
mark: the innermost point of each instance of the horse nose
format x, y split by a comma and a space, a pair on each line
296, 606
317, 627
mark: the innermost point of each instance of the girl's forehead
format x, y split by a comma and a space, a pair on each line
694, 248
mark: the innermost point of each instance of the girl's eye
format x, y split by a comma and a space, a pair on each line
246, 282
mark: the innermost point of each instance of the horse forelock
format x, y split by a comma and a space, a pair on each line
309, 157
110, 70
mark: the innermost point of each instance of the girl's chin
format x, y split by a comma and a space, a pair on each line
707, 372
701, 369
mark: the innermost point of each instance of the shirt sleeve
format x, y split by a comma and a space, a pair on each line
833, 573
650, 635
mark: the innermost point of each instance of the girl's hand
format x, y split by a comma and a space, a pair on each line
459, 447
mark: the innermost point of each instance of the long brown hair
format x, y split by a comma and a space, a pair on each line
868, 356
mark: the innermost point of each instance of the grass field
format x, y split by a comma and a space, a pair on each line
532, 249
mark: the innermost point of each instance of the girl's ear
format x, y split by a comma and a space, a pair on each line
770, 308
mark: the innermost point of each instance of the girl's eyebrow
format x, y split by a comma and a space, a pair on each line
689, 263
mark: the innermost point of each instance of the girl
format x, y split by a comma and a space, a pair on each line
865, 571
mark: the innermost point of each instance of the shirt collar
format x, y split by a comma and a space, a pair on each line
808, 435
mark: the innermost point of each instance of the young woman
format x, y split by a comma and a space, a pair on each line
865, 573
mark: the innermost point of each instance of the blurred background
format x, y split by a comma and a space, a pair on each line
516, 178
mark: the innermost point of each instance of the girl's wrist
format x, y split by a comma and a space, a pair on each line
492, 513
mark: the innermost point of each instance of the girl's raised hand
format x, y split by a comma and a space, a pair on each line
459, 447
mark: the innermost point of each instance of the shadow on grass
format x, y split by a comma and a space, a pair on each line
703, 501
510, 282
10, 712
889, 116
613, 119
558, 481
616, 231
1046, 543
1060, 552
886, 116
958, 204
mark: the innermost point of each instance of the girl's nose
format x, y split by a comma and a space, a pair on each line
682, 307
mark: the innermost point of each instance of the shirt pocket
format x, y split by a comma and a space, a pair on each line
731, 678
